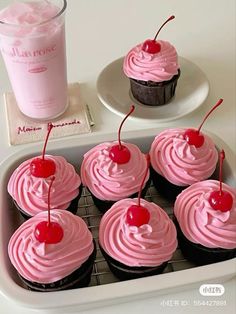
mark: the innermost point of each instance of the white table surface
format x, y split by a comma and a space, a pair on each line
99, 32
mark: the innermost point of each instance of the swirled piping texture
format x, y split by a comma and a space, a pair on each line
158, 67
202, 224
148, 245
108, 180
31, 193
47, 263
180, 163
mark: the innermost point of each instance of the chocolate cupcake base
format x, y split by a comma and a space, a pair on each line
200, 254
78, 279
124, 272
104, 205
152, 93
73, 207
167, 189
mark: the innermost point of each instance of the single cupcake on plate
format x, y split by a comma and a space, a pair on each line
153, 70
113, 171
53, 251
28, 184
181, 157
137, 238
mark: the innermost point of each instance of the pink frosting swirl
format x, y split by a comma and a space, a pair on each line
108, 180
180, 163
47, 263
202, 224
158, 67
31, 193
148, 245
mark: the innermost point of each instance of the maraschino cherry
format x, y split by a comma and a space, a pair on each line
138, 215
48, 232
120, 153
221, 200
151, 45
41, 167
193, 136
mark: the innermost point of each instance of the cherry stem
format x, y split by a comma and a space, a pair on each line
145, 175
50, 126
169, 19
222, 157
212, 109
49, 205
128, 114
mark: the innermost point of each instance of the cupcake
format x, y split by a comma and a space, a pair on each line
109, 181
181, 157
153, 70
63, 263
114, 170
176, 164
136, 247
30, 193
206, 234
29, 183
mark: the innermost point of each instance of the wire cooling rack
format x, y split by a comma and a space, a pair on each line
92, 216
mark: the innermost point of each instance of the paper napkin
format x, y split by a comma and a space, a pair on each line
76, 120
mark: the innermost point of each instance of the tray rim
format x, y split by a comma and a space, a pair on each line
104, 295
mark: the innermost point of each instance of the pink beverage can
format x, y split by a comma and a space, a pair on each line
32, 43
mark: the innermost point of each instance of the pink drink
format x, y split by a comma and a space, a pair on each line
32, 42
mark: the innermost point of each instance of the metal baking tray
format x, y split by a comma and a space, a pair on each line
104, 288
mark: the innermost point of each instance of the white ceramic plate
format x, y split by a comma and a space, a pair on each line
113, 90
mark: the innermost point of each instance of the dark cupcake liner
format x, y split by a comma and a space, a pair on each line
78, 279
104, 205
167, 189
73, 207
154, 94
124, 272
200, 254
